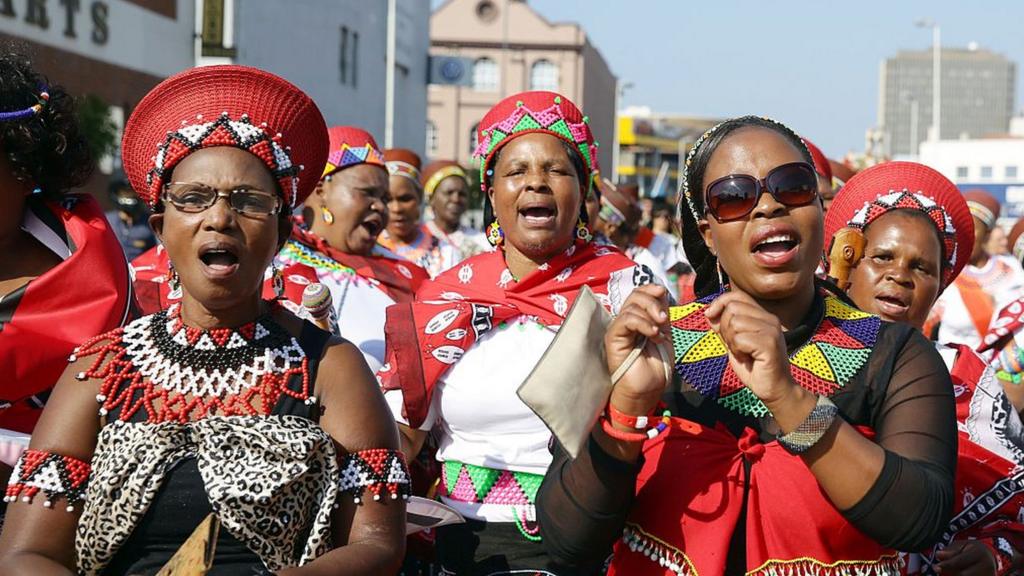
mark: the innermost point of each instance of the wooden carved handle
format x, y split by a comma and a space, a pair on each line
846, 251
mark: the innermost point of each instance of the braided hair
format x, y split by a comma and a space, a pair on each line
690, 207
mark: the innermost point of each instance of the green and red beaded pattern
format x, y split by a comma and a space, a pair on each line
480, 485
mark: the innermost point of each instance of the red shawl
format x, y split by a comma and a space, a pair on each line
398, 278
425, 338
87, 294
791, 526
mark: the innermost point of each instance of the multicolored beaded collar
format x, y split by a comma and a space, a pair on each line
838, 349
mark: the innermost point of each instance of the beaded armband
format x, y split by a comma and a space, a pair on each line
810, 431
51, 473
376, 471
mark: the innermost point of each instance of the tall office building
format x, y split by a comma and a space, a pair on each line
977, 96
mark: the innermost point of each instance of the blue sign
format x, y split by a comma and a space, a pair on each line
1011, 196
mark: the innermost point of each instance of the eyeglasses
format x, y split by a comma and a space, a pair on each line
193, 197
734, 196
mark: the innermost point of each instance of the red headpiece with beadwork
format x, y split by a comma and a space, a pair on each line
821, 165
890, 186
350, 146
235, 106
528, 112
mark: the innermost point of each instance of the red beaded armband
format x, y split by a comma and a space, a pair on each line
56, 475
376, 471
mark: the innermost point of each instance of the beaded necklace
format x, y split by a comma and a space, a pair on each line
838, 349
180, 373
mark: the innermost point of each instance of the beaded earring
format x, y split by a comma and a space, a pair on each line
278, 282
721, 276
327, 215
583, 231
495, 235
173, 282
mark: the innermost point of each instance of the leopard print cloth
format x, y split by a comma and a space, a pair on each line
270, 479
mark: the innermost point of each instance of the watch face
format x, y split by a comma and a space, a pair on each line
452, 70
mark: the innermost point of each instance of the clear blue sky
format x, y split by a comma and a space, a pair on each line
811, 64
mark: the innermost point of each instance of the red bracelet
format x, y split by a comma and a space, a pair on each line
613, 432
634, 422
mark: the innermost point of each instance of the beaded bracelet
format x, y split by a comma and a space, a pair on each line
812, 429
54, 475
611, 431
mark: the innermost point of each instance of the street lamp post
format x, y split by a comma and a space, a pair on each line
910, 99
933, 133
620, 90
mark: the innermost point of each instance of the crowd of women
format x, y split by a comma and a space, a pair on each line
814, 375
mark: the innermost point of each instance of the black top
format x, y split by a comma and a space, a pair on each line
903, 392
181, 503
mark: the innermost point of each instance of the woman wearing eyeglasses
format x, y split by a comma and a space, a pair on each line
225, 404
811, 437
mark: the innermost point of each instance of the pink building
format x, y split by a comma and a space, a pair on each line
512, 48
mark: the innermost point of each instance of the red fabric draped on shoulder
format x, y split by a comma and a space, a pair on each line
425, 338
87, 294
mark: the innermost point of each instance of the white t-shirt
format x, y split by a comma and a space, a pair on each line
476, 413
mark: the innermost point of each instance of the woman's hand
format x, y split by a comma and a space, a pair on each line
969, 558
757, 350
643, 315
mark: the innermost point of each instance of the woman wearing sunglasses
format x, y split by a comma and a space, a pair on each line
810, 436
224, 404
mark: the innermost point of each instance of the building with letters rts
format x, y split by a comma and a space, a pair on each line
507, 47
115, 50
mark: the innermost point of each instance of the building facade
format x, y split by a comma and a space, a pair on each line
995, 165
977, 96
115, 50
512, 48
334, 50
650, 146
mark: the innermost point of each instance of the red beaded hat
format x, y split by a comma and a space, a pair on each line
236, 106
403, 162
1015, 240
437, 171
821, 164
983, 205
350, 146
527, 112
890, 186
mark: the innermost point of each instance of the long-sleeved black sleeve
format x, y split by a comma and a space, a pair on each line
911, 501
582, 506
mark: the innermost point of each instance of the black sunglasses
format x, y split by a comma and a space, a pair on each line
734, 196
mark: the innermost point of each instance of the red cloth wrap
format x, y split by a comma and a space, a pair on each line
87, 294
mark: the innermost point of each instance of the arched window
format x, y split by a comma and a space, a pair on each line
473, 138
544, 76
485, 75
431, 138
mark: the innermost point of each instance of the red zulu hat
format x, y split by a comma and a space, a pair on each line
403, 162
890, 186
527, 112
350, 146
234, 106
983, 205
821, 165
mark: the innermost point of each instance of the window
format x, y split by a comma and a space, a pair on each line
544, 76
1010, 173
986, 171
485, 75
431, 138
349, 56
343, 57
961, 172
472, 138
